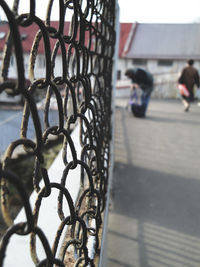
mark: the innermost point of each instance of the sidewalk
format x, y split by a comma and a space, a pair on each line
154, 217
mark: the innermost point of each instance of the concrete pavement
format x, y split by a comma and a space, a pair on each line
154, 217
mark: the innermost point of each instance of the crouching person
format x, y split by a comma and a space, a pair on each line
142, 81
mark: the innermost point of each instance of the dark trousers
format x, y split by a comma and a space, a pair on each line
140, 110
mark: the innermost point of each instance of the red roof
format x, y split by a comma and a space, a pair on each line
124, 33
29, 34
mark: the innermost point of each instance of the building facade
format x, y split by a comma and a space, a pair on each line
162, 49
28, 40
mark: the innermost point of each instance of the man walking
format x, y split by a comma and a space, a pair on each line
189, 77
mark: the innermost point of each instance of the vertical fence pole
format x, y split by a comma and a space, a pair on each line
103, 255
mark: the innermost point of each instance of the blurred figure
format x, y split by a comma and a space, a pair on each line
189, 77
142, 87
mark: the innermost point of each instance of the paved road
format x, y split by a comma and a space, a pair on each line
9, 127
154, 215
10, 124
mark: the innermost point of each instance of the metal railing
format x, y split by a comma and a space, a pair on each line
87, 50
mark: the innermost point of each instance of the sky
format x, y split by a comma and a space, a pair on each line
143, 11
160, 11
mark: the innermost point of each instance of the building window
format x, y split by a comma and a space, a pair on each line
2, 35
165, 62
119, 75
140, 61
24, 36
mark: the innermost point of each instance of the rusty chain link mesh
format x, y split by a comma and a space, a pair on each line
87, 49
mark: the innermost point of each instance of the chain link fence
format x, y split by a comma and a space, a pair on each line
82, 94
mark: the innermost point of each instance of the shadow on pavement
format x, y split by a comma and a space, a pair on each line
164, 211
155, 209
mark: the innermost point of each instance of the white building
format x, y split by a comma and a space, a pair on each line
27, 36
162, 49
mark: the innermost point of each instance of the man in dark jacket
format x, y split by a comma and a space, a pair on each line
143, 79
190, 77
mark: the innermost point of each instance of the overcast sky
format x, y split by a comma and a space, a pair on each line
163, 11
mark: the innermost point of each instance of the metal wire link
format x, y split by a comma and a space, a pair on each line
85, 84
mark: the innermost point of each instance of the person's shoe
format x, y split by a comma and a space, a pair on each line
187, 108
